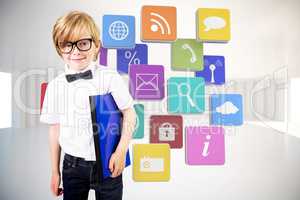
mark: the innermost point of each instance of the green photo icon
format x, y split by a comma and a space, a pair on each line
187, 55
139, 127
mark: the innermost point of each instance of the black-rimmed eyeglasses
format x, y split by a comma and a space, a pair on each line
82, 45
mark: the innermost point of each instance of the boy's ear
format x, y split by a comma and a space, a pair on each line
99, 46
97, 51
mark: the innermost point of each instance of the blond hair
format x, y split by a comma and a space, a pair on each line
69, 27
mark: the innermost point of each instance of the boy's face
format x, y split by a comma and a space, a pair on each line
82, 54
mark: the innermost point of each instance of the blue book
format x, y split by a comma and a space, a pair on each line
107, 127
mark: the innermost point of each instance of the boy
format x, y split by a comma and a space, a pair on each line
66, 108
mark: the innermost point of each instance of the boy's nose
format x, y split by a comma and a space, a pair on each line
75, 49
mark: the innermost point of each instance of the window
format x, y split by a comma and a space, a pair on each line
5, 100
294, 107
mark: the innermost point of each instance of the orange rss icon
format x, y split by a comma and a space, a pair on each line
159, 23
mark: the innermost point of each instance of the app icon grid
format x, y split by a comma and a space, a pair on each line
147, 82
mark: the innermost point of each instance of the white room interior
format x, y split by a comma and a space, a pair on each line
262, 64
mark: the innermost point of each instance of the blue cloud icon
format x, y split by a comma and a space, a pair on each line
226, 109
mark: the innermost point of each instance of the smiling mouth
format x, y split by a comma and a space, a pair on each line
78, 59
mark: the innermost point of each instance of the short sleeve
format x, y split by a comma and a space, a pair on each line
49, 113
120, 92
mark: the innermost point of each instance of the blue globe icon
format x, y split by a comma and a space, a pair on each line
118, 30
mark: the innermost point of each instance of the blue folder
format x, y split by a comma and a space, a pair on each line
107, 126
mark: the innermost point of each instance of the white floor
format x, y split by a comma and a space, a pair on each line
261, 164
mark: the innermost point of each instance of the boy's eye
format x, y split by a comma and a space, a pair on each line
68, 45
83, 43
65, 44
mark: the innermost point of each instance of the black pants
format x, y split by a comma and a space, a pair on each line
79, 176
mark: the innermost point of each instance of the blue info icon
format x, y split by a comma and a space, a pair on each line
226, 109
126, 57
214, 70
186, 95
118, 31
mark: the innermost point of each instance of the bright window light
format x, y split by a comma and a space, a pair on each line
294, 126
5, 100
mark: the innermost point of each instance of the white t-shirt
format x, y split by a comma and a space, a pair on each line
67, 103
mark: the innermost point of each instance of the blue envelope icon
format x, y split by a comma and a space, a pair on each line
107, 124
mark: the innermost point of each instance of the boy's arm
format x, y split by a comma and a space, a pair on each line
55, 149
129, 120
118, 158
55, 160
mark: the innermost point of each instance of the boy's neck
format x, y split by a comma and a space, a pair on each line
77, 70
74, 70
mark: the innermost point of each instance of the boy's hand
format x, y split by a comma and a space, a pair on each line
117, 163
54, 186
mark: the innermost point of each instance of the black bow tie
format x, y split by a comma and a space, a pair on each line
82, 75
